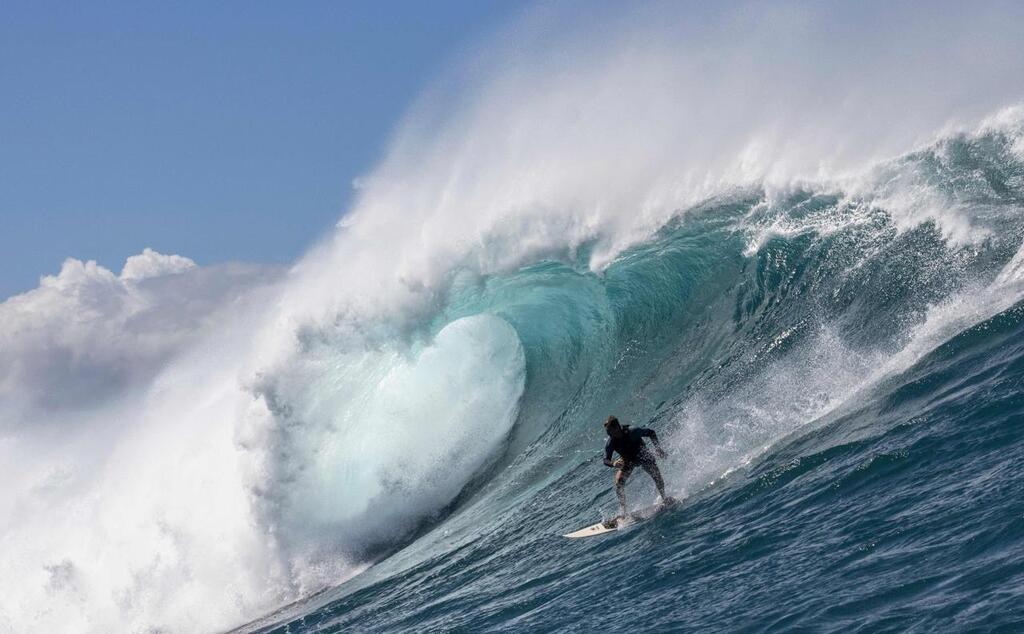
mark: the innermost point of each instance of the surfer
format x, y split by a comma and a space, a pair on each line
629, 444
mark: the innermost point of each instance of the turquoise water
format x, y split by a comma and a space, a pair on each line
842, 396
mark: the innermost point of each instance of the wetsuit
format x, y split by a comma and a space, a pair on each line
631, 448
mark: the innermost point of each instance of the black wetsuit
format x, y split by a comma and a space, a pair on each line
630, 447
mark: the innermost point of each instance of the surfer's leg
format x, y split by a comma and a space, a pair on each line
651, 468
620, 489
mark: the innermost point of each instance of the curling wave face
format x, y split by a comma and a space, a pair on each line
830, 384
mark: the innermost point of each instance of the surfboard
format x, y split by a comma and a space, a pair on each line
614, 524
606, 526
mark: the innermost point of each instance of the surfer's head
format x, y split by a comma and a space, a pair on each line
613, 427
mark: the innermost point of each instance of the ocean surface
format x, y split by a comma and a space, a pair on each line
843, 400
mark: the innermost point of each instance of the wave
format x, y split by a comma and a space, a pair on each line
657, 232
763, 358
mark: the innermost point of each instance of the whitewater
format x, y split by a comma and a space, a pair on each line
789, 240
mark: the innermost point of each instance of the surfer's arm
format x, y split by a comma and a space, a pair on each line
608, 456
647, 432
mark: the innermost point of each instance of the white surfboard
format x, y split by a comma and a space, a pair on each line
607, 526
614, 524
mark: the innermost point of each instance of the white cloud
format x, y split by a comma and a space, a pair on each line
149, 263
85, 334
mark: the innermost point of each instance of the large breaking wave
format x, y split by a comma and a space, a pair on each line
726, 227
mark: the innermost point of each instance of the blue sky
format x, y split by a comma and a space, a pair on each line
220, 131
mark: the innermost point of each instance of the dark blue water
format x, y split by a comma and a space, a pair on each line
843, 397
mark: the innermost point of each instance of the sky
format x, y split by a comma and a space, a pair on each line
219, 131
